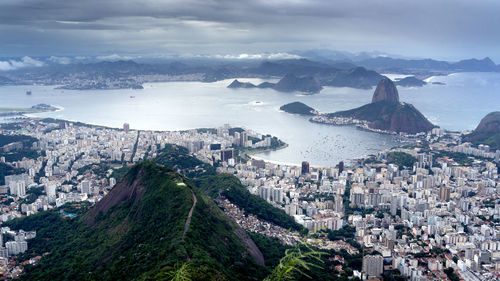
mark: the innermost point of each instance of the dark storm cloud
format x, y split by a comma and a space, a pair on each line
442, 28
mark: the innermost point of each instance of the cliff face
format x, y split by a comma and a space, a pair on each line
386, 91
487, 132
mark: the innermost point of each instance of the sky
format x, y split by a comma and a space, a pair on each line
441, 29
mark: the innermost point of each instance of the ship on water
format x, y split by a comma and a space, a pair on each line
28, 92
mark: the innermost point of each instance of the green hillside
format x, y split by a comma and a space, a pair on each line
137, 233
487, 132
230, 187
176, 157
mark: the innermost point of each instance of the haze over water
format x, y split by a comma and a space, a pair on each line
458, 105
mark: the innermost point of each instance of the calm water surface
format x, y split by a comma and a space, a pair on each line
458, 105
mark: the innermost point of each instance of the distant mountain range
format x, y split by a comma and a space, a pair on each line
328, 68
384, 63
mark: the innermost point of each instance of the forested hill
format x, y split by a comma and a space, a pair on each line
139, 231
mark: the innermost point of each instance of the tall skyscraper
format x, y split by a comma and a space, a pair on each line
305, 167
126, 127
341, 166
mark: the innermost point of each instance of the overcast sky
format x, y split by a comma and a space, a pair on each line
444, 29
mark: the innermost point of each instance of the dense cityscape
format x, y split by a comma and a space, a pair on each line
429, 210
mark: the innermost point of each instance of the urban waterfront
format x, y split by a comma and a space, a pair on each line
188, 105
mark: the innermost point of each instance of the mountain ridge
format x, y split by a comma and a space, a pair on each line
136, 232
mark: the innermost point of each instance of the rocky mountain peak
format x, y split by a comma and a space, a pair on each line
386, 91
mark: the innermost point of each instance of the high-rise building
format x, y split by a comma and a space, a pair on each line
215, 146
424, 159
50, 189
126, 127
341, 166
17, 188
339, 204
14, 247
226, 154
278, 195
444, 193
265, 193
357, 197
243, 138
86, 187
373, 265
394, 205
305, 167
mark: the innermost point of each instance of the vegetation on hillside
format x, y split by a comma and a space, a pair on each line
230, 187
401, 159
139, 237
177, 158
18, 155
6, 170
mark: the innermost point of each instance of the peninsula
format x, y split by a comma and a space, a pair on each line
385, 113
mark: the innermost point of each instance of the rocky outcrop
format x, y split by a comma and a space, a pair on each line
386, 91
385, 112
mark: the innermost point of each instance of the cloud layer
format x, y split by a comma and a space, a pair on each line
445, 28
16, 64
